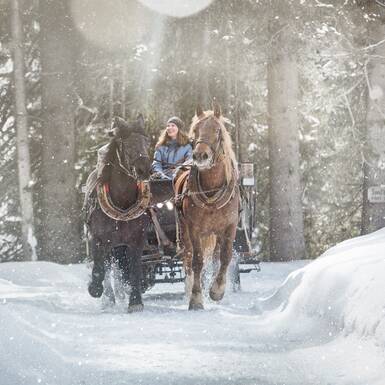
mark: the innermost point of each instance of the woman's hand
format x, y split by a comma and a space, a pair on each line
159, 175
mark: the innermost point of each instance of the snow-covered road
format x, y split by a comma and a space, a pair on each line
272, 332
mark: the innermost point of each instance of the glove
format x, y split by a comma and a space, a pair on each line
159, 175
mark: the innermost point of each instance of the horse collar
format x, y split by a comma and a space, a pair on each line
133, 212
221, 197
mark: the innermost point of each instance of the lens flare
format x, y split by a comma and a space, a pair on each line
113, 24
177, 8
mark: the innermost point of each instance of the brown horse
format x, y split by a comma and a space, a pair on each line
209, 204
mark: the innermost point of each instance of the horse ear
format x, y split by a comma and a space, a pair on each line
216, 109
199, 111
140, 120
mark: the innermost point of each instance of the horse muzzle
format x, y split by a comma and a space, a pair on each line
203, 159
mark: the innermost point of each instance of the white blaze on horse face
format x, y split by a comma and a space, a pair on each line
177, 8
203, 159
203, 164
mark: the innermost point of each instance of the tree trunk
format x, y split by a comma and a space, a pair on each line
373, 213
23, 156
286, 217
60, 235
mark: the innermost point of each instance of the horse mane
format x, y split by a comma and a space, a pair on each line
230, 159
111, 153
106, 157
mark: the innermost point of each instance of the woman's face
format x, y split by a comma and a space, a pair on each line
172, 130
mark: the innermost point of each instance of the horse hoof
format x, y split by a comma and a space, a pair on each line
216, 294
135, 308
95, 289
195, 306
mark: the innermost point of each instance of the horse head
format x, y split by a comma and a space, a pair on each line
132, 145
207, 132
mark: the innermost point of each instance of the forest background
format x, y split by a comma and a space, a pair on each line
302, 83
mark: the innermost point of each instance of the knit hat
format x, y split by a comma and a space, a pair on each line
177, 121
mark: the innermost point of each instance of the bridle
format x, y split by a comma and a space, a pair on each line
214, 147
129, 168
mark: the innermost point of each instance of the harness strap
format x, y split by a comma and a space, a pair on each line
161, 235
124, 169
186, 184
220, 198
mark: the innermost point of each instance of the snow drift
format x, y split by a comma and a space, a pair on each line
343, 291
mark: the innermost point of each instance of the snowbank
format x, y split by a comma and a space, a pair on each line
315, 328
343, 291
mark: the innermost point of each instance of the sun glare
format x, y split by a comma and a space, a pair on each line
177, 8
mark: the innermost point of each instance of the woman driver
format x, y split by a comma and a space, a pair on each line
173, 149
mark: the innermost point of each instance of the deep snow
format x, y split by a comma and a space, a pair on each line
292, 323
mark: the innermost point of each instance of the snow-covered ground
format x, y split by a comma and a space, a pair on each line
293, 323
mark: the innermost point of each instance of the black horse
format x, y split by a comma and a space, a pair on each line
116, 201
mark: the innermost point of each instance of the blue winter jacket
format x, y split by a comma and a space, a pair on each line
169, 156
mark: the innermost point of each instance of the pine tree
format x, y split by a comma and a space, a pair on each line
286, 217
60, 234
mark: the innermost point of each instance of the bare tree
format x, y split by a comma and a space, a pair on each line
286, 217
23, 156
60, 235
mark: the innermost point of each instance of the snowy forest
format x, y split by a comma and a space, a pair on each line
301, 82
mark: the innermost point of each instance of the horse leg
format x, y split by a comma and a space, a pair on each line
135, 302
108, 298
217, 289
131, 268
187, 261
118, 284
196, 299
211, 264
98, 252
